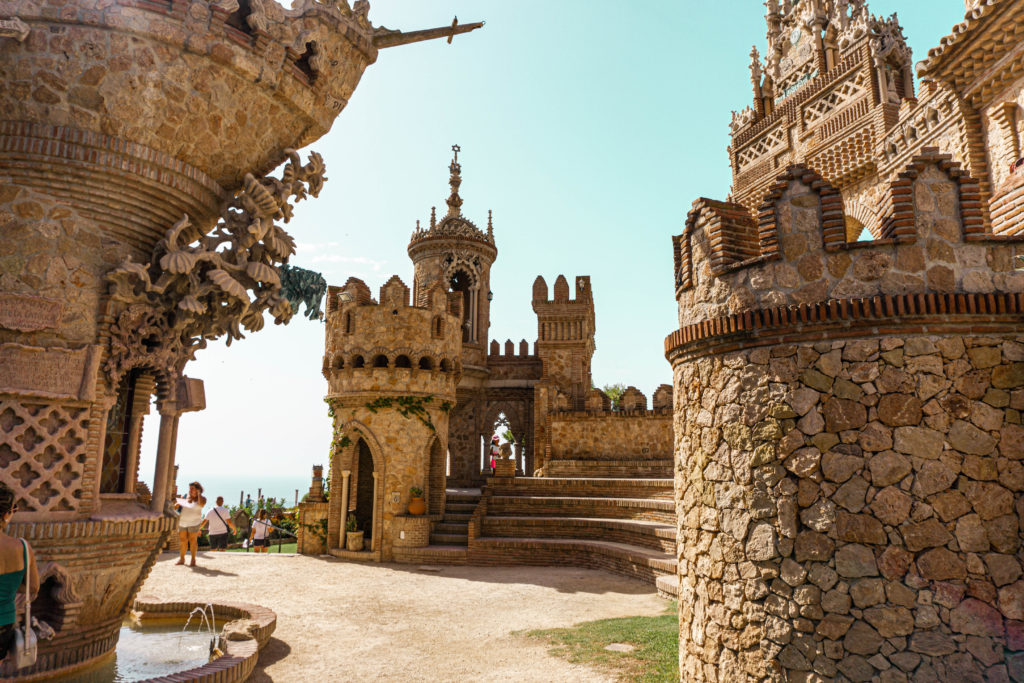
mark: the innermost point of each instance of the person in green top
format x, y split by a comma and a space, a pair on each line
14, 558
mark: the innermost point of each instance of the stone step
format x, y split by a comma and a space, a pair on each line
621, 558
642, 533
449, 539
432, 555
453, 517
657, 467
461, 528
661, 489
654, 510
460, 508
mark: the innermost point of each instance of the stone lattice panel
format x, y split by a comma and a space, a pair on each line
42, 453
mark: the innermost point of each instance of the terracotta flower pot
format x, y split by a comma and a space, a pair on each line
417, 506
354, 540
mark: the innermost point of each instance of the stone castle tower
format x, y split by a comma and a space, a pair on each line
137, 222
565, 338
392, 369
849, 439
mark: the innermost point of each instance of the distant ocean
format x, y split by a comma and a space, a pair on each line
230, 486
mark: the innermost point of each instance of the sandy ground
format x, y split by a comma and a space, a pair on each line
344, 621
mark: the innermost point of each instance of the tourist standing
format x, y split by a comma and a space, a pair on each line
494, 451
15, 557
259, 537
190, 517
219, 521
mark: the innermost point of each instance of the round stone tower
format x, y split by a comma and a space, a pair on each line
391, 372
456, 254
849, 446
128, 131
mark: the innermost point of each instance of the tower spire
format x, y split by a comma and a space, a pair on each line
455, 180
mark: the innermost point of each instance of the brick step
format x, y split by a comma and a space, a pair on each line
456, 517
457, 497
461, 528
621, 558
460, 508
579, 487
668, 585
657, 468
432, 554
449, 539
653, 510
661, 537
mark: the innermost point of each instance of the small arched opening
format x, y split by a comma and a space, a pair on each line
364, 491
358, 362
462, 283
426, 363
446, 365
380, 361
403, 362
339, 363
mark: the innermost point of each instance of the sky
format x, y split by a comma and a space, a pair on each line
587, 126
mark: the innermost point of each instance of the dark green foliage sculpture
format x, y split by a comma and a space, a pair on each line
301, 286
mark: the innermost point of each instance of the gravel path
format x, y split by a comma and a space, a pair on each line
341, 620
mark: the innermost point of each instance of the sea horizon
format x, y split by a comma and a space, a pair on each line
231, 486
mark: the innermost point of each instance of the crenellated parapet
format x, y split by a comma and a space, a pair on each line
933, 239
390, 346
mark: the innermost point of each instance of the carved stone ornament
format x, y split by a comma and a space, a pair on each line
199, 286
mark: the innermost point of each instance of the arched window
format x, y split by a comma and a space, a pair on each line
380, 361
403, 362
462, 283
426, 363
446, 366
358, 362
350, 324
339, 363
437, 327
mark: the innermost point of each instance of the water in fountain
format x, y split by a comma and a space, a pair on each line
145, 652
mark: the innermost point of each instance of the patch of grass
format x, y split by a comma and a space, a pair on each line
285, 548
656, 639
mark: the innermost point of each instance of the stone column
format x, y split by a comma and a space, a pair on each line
164, 457
373, 518
345, 474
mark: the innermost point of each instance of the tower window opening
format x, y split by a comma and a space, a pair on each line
426, 363
461, 283
380, 361
358, 362
403, 362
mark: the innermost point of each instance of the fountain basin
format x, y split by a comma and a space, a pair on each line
244, 628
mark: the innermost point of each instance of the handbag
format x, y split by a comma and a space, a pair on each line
25, 648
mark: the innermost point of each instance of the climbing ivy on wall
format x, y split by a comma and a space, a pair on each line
409, 407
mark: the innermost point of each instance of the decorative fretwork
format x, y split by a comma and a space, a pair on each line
42, 453
801, 75
768, 143
836, 99
197, 286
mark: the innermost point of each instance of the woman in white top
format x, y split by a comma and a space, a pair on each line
190, 516
260, 534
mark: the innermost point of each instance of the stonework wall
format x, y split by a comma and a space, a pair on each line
626, 435
853, 508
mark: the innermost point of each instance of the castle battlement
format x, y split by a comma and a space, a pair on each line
390, 345
796, 253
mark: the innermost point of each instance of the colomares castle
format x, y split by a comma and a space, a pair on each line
831, 486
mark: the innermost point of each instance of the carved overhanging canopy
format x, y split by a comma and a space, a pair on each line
199, 286
301, 286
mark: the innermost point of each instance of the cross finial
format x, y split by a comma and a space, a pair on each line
456, 149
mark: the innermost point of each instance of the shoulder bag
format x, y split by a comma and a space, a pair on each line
25, 648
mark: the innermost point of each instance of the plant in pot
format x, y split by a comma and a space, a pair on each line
353, 536
417, 506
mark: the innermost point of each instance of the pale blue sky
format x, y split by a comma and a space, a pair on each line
588, 126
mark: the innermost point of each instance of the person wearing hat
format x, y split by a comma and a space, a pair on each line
190, 517
494, 451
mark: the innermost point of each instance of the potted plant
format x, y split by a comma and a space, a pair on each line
417, 506
353, 536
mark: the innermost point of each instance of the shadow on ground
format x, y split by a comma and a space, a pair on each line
274, 651
561, 579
